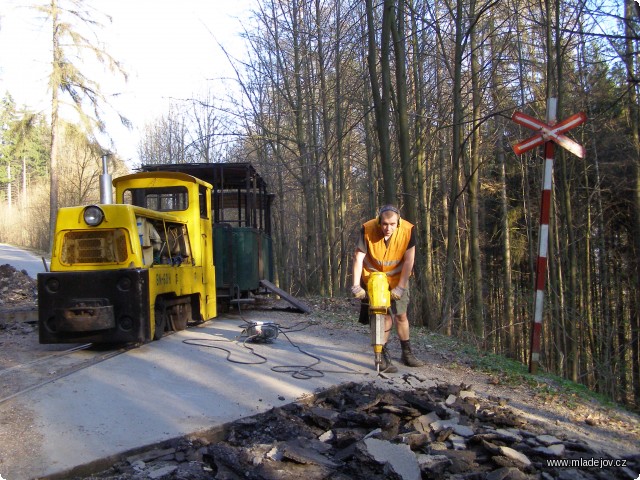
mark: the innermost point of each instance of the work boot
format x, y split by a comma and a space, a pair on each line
386, 366
408, 358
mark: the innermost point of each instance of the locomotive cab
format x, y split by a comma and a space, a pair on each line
241, 220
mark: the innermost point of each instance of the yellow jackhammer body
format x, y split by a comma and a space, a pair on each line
379, 303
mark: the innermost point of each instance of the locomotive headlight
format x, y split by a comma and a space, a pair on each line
93, 216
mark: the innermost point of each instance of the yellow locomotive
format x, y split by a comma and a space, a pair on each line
128, 271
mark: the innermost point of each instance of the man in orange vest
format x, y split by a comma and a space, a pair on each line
388, 245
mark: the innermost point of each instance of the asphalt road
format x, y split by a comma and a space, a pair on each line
21, 260
188, 383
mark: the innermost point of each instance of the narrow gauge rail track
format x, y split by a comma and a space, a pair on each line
43, 370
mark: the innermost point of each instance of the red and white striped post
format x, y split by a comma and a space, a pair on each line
549, 134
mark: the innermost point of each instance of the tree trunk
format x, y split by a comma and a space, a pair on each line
340, 281
9, 188
424, 260
630, 61
456, 155
635, 348
477, 302
23, 196
510, 334
330, 239
301, 133
382, 92
408, 189
507, 285
53, 164
567, 220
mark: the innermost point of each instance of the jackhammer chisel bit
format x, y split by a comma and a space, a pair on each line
376, 325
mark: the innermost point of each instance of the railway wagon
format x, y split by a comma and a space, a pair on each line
241, 222
126, 272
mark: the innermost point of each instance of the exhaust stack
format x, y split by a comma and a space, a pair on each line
106, 190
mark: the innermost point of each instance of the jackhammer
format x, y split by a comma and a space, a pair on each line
379, 303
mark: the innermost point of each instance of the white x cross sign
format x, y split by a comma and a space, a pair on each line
549, 133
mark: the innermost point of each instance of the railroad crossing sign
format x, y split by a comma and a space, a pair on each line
549, 134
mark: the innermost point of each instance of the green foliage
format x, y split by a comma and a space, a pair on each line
24, 142
511, 372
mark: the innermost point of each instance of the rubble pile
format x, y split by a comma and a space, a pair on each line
18, 302
17, 289
360, 431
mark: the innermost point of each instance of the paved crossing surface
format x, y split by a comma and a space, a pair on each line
177, 386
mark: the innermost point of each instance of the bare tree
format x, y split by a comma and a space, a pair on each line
67, 82
165, 139
205, 131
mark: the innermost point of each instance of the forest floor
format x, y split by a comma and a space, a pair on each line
538, 406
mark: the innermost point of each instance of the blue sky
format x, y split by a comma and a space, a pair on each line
169, 49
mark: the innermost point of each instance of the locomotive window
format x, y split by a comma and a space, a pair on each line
202, 198
160, 199
175, 247
178, 240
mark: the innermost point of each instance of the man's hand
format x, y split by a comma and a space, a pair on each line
358, 292
397, 293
